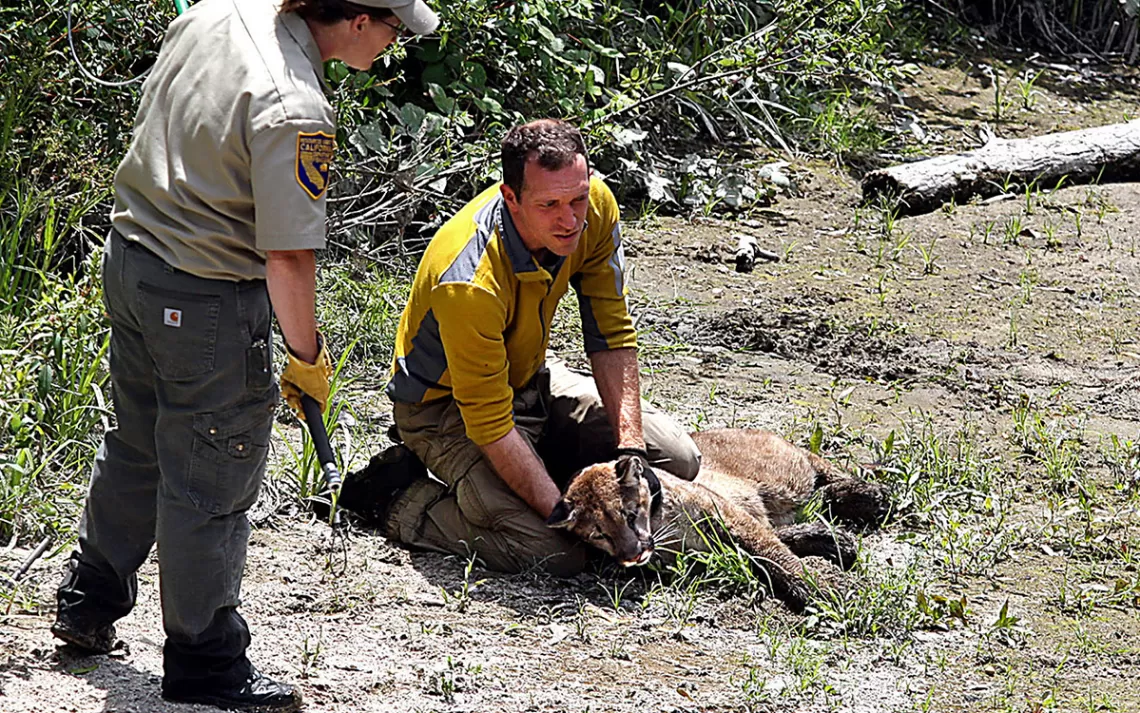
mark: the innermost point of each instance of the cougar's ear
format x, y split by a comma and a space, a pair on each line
628, 471
562, 516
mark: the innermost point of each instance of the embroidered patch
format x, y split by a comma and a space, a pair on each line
314, 154
172, 317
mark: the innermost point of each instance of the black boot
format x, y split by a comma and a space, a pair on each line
256, 694
370, 492
88, 601
87, 636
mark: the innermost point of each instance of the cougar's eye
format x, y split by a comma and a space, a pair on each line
600, 537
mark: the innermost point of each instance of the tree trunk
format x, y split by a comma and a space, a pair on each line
1104, 153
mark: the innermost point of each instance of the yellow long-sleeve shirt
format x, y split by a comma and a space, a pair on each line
477, 323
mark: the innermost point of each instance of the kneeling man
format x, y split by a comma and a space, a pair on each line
477, 398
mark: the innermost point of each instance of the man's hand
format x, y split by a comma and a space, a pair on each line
638, 453
300, 378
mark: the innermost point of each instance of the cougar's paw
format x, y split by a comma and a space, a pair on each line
818, 539
856, 502
825, 578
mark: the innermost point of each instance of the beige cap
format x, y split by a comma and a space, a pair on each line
414, 14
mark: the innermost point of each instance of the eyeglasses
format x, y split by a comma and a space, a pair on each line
399, 29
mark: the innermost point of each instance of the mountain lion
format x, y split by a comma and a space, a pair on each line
750, 485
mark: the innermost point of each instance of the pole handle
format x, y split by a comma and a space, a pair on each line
315, 422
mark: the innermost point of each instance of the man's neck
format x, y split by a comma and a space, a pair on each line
324, 36
544, 257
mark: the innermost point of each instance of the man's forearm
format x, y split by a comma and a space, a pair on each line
615, 373
291, 276
522, 470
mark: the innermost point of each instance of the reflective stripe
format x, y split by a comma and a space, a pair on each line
617, 262
463, 267
592, 337
422, 367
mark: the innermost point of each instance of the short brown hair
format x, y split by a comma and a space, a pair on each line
551, 142
327, 12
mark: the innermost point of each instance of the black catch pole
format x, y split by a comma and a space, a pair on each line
331, 476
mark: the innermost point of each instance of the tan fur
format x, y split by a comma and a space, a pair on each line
749, 487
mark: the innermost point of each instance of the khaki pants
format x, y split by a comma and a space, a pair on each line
467, 509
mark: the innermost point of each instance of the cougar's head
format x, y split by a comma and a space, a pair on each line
607, 506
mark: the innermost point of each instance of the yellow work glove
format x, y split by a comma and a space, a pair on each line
301, 377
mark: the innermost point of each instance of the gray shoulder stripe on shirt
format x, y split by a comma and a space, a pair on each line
617, 261
422, 367
462, 268
592, 337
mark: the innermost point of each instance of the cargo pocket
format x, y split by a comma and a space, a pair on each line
228, 456
181, 330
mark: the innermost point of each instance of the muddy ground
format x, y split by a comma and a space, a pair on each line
996, 342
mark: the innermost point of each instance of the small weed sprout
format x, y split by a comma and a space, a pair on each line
1032, 195
929, 264
1013, 229
900, 246
1027, 280
461, 597
881, 290
615, 593
987, 231
1025, 89
311, 653
788, 250
1001, 102
454, 677
1007, 629
888, 218
582, 622
754, 686
1052, 242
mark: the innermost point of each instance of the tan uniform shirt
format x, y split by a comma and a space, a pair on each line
231, 144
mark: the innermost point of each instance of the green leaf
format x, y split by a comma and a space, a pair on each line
603, 51
372, 137
488, 105
430, 52
43, 383
412, 117
475, 74
816, 441
444, 103
81, 670
436, 73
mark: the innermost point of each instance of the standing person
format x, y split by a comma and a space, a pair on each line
477, 398
219, 204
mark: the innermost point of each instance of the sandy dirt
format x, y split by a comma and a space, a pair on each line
951, 322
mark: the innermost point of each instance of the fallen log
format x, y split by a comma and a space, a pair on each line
1106, 153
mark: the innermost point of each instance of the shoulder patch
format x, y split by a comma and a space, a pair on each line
314, 154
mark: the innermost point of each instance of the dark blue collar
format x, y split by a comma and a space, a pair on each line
521, 259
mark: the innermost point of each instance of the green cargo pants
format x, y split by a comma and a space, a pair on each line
467, 509
194, 398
